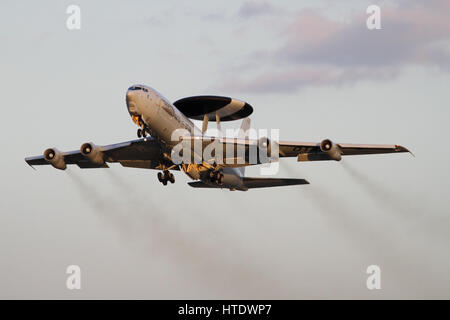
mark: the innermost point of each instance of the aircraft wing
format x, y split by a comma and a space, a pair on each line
304, 151
311, 151
141, 153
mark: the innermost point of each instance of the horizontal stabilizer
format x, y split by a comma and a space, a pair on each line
252, 183
272, 182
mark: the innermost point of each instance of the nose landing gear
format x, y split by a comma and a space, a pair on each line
142, 132
166, 176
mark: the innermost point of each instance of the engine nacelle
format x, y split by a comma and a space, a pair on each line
55, 158
92, 153
331, 149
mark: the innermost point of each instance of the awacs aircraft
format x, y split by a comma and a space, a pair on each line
158, 119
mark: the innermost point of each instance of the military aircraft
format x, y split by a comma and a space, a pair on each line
157, 120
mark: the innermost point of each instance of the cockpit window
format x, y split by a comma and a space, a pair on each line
138, 88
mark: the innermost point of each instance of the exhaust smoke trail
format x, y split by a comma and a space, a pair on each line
349, 216
410, 210
106, 209
338, 212
380, 237
412, 218
197, 246
154, 231
382, 194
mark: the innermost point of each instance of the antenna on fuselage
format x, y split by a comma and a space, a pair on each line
205, 123
219, 129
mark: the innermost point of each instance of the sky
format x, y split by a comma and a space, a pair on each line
311, 69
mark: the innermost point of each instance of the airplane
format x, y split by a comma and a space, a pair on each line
157, 119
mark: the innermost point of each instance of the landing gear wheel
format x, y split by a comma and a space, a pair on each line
166, 176
139, 132
144, 133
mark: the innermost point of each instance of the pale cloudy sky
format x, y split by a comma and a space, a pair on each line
309, 68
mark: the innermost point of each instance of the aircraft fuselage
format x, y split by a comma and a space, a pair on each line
153, 112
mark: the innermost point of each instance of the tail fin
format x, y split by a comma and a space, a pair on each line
243, 134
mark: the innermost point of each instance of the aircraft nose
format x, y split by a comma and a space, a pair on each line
131, 105
129, 95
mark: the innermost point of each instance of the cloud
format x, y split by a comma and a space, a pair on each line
301, 76
255, 8
317, 50
406, 36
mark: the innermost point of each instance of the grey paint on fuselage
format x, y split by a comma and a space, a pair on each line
162, 118
158, 114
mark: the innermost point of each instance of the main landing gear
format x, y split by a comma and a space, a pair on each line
166, 176
216, 176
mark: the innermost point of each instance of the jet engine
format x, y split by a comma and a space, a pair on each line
55, 158
92, 153
331, 149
